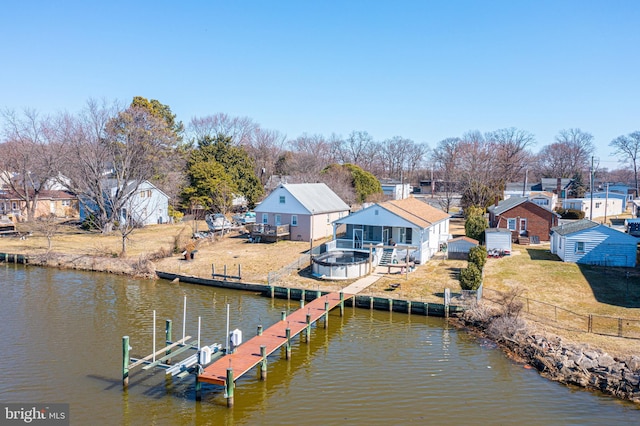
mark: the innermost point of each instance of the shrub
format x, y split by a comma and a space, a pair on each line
474, 227
470, 277
478, 256
570, 213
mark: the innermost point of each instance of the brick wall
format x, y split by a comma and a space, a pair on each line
539, 220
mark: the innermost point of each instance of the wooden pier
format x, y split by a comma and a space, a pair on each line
227, 369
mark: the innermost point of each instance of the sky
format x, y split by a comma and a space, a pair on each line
423, 70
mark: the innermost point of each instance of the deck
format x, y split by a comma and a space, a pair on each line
247, 355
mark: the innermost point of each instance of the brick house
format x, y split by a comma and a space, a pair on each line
527, 221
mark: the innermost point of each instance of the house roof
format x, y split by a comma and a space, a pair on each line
415, 211
464, 238
570, 228
507, 204
497, 230
517, 186
316, 197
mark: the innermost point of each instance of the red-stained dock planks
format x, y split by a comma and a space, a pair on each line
247, 355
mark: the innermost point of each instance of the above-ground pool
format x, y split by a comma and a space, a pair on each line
341, 265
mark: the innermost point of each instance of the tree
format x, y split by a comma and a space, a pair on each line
218, 171
567, 156
109, 152
478, 256
470, 277
510, 147
29, 156
446, 169
265, 149
628, 147
474, 227
364, 183
239, 129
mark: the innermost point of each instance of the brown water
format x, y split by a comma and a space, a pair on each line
61, 334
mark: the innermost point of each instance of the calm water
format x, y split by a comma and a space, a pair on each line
61, 342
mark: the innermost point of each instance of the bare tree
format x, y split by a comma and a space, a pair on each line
359, 148
240, 129
510, 147
28, 156
265, 149
110, 153
628, 147
446, 167
568, 156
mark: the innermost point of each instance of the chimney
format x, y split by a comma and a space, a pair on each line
497, 200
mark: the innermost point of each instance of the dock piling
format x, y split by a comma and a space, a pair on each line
125, 361
263, 364
229, 387
168, 326
308, 333
326, 313
283, 315
259, 330
341, 304
288, 344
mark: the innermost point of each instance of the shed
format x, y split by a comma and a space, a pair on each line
633, 226
458, 248
591, 243
498, 239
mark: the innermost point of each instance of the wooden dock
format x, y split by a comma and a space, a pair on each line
249, 354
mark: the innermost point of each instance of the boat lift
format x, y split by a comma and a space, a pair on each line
162, 358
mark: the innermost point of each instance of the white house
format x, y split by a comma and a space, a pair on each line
601, 206
396, 190
588, 242
304, 211
408, 224
146, 204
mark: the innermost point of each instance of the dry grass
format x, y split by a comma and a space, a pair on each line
533, 268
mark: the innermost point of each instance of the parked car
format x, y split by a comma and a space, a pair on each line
244, 218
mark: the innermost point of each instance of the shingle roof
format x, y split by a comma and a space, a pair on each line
570, 228
464, 238
316, 197
507, 204
415, 211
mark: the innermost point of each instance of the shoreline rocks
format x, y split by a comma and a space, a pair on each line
572, 364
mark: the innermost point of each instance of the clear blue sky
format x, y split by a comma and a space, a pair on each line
424, 70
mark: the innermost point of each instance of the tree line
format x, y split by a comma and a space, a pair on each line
212, 159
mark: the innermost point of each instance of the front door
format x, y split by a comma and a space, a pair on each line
523, 226
357, 238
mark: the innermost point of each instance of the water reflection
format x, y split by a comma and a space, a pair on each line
62, 334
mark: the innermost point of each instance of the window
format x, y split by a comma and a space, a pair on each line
294, 220
66, 203
278, 220
579, 246
511, 224
14, 205
282, 199
143, 194
328, 219
598, 204
265, 218
409, 235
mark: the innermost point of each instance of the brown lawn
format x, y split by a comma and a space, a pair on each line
539, 275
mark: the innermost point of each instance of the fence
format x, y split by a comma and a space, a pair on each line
299, 264
564, 318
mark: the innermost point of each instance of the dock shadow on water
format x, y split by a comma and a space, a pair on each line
388, 366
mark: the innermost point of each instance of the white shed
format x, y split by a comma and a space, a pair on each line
498, 239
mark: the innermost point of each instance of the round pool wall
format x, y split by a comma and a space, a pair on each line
341, 265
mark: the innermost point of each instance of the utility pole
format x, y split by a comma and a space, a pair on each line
591, 188
524, 187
